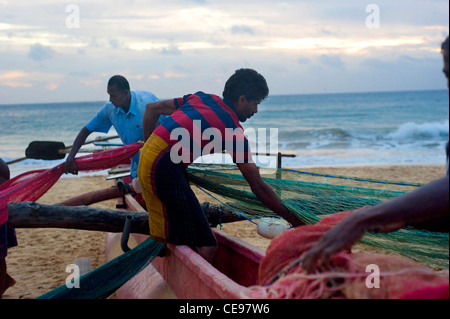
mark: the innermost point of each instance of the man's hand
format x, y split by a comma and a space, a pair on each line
70, 167
266, 194
338, 238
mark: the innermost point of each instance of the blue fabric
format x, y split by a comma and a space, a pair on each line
128, 125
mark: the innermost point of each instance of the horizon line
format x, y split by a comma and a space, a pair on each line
286, 94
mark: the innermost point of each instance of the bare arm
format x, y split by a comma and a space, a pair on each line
152, 113
426, 203
265, 193
69, 165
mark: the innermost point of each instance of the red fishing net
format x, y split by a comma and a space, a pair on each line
30, 186
347, 276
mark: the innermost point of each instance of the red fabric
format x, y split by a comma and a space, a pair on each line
347, 275
300, 239
30, 186
439, 292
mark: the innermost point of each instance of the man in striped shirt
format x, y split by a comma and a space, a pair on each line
199, 124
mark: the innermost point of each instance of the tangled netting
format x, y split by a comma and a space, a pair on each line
313, 197
106, 279
347, 276
103, 281
30, 186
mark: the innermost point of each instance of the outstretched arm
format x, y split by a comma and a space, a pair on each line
69, 165
426, 203
265, 193
152, 113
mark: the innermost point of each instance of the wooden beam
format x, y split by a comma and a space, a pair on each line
35, 215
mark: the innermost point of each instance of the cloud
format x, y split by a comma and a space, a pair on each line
174, 75
38, 52
303, 61
242, 29
15, 79
52, 86
114, 43
25, 79
159, 42
330, 60
170, 50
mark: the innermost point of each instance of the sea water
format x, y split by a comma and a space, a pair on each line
359, 128
320, 129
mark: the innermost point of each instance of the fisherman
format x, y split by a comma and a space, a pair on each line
426, 206
204, 121
7, 239
124, 111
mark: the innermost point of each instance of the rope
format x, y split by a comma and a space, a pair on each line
370, 180
240, 214
293, 282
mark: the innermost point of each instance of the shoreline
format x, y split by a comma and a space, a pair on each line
379, 164
38, 264
17, 169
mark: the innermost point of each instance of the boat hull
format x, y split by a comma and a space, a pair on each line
182, 273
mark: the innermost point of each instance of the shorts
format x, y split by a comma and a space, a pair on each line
175, 215
7, 239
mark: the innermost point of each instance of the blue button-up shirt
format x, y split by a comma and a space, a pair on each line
128, 125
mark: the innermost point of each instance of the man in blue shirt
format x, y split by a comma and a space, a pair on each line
124, 111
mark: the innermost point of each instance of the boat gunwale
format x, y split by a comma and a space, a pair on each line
211, 278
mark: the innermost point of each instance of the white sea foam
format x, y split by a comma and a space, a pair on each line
411, 130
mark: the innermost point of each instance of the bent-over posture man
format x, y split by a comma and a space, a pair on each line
198, 121
124, 111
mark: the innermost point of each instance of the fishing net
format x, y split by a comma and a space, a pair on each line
311, 197
30, 186
105, 280
347, 275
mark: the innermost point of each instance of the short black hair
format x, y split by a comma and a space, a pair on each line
4, 171
444, 45
246, 82
120, 82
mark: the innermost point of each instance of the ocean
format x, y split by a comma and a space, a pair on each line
409, 127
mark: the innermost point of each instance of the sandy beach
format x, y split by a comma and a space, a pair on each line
39, 263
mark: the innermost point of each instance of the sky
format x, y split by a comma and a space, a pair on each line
58, 51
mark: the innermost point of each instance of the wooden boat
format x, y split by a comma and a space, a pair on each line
182, 273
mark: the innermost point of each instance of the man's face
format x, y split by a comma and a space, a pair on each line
117, 97
246, 109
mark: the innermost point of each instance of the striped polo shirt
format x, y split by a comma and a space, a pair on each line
204, 124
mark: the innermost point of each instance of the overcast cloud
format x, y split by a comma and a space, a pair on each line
66, 51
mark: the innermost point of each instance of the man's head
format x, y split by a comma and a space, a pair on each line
245, 89
4, 171
445, 52
119, 91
